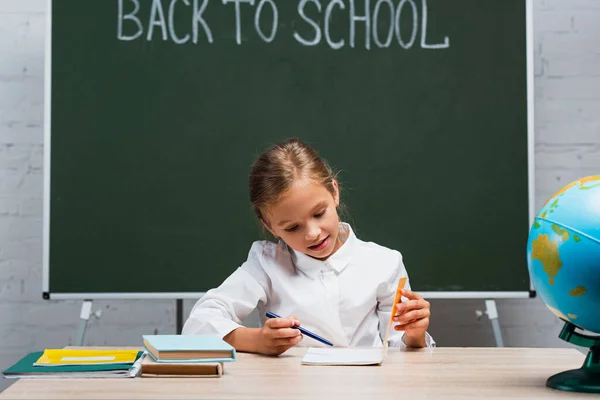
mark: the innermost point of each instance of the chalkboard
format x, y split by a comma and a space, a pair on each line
157, 109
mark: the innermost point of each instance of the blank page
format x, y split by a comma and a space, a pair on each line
343, 356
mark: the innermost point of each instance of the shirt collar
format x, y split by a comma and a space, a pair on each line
337, 262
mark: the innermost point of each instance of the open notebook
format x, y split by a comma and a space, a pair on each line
354, 355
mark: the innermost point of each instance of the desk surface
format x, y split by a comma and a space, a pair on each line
439, 373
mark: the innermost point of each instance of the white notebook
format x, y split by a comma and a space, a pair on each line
353, 355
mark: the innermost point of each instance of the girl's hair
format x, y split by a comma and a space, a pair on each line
274, 172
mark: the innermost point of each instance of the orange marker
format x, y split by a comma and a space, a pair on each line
401, 284
397, 299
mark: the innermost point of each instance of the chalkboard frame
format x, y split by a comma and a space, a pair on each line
47, 295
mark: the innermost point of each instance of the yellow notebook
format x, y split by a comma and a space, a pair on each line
55, 357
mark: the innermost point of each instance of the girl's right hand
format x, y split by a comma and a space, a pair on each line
278, 335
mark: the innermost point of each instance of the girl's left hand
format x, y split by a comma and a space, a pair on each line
413, 318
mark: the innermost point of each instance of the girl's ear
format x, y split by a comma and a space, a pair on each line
336, 192
267, 227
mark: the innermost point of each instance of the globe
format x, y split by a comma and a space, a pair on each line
563, 257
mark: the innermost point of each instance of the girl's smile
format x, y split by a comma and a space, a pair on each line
321, 245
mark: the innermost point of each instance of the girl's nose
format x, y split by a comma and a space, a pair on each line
313, 231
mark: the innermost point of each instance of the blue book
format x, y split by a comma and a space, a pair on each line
188, 348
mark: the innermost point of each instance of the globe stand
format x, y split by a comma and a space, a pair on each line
587, 378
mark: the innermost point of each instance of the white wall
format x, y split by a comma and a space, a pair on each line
567, 95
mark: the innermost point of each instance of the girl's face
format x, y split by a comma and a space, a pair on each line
306, 219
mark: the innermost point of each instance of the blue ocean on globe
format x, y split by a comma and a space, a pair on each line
563, 253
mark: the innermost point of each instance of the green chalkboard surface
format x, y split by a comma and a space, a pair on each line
158, 108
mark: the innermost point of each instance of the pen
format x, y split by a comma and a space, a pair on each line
304, 331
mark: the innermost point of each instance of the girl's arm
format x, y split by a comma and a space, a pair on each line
245, 339
385, 298
221, 310
273, 339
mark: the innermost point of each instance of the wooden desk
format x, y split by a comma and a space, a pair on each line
440, 373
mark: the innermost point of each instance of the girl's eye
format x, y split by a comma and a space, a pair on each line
319, 215
291, 229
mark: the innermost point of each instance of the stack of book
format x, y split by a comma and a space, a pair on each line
76, 363
185, 355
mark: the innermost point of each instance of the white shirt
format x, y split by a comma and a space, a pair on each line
346, 299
